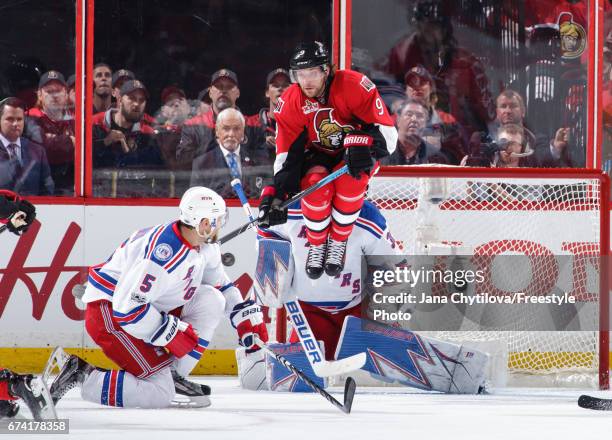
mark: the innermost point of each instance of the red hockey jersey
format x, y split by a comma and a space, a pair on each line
351, 103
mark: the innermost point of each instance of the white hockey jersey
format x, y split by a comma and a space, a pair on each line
370, 236
155, 270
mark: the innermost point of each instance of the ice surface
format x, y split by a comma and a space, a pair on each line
378, 414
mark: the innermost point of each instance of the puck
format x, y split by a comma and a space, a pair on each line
228, 259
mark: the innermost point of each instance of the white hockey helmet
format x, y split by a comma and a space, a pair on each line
199, 203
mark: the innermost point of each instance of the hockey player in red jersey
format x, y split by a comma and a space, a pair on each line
326, 119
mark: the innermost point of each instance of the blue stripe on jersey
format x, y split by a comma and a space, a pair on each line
370, 212
198, 351
133, 316
227, 286
99, 286
267, 233
367, 228
151, 238
119, 395
179, 262
161, 328
105, 384
168, 237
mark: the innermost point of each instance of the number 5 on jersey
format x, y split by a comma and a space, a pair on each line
146, 283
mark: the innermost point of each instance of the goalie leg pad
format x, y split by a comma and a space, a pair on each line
274, 272
252, 369
413, 360
282, 379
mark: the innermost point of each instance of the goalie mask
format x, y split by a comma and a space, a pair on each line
200, 203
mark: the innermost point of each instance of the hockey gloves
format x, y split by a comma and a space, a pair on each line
20, 213
247, 319
270, 213
177, 336
358, 153
20, 221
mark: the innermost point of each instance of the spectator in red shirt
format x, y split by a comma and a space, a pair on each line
277, 82
122, 139
51, 125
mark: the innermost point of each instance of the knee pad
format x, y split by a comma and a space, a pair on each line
321, 195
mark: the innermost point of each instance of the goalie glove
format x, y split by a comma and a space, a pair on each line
358, 154
270, 213
177, 336
247, 319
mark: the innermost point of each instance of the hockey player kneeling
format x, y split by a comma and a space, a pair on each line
153, 307
333, 310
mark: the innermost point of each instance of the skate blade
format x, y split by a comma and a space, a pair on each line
56, 361
191, 402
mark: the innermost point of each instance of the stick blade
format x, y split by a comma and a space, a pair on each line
590, 402
349, 393
342, 366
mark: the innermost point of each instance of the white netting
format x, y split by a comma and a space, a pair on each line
510, 216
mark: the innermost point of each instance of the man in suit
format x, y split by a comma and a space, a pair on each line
228, 159
23, 164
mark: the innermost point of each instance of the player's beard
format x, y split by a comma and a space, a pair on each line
132, 117
222, 103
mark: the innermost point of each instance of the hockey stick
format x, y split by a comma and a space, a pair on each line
597, 403
320, 366
324, 181
349, 386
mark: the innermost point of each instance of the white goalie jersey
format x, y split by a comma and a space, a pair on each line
155, 270
370, 236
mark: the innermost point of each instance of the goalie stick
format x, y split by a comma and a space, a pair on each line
251, 223
597, 403
349, 386
320, 366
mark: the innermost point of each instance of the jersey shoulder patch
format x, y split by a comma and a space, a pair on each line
367, 84
371, 219
164, 246
289, 96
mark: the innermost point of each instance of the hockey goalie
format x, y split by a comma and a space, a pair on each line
332, 306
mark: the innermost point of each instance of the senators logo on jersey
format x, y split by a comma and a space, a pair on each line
329, 131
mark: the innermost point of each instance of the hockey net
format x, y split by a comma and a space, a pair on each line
529, 212
446, 210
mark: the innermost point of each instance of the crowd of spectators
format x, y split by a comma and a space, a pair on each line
437, 90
